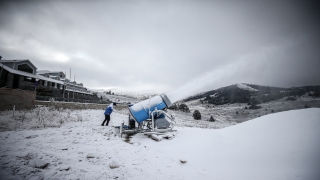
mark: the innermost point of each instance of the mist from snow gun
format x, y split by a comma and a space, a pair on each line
208, 81
219, 77
140, 111
183, 92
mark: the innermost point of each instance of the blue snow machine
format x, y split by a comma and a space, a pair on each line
149, 117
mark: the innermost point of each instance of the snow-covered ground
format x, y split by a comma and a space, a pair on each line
124, 95
276, 146
237, 112
245, 87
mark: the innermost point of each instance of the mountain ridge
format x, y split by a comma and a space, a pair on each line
251, 94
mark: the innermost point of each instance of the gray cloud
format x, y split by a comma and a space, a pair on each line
164, 45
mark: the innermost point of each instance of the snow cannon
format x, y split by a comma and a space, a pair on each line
151, 117
141, 111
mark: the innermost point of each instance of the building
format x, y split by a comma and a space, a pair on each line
22, 74
70, 86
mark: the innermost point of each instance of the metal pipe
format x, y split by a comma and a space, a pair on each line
152, 116
152, 121
121, 129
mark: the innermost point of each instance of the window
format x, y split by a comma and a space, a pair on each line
25, 68
28, 79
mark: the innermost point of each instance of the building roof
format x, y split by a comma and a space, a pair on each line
47, 71
13, 60
42, 71
22, 73
56, 72
17, 60
38, 76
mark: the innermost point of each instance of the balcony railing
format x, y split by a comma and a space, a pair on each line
50, 98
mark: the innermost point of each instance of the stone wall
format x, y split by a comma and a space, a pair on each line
9, 80
26, 85
15, 97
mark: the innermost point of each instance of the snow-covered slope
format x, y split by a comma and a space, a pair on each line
277, 146
245, 87
128, 94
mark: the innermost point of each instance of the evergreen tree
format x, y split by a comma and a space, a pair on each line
212, 119
173, 107
184, 108
197, 115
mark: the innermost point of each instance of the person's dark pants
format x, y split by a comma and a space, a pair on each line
107, 118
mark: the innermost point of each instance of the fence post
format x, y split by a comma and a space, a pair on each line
40, 115
14, 108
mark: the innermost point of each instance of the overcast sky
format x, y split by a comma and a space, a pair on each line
166, 45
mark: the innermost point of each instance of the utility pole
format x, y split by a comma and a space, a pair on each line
69, 83
64, 84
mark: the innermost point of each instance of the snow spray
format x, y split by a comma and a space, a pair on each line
183, 92
140, 111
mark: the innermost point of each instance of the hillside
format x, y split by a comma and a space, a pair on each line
252, 94
122, 96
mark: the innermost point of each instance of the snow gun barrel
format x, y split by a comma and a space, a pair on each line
140, 111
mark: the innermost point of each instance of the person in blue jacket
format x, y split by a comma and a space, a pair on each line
107, 113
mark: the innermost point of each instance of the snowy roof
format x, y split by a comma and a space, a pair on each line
43, 71
14, 60
48, 72
56, 72
22, 73
18, 60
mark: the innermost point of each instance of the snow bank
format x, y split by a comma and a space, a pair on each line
278, 146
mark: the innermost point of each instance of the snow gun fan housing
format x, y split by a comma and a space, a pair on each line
141, 111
